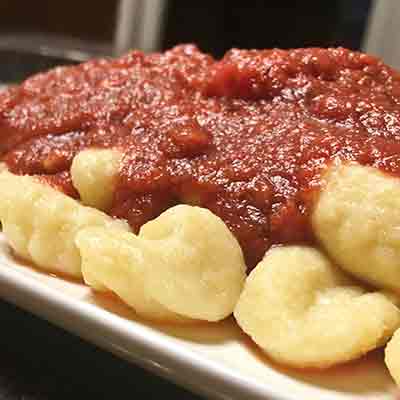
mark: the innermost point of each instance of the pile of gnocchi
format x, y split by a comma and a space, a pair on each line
303, 306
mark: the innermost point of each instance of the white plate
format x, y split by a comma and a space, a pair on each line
213, 359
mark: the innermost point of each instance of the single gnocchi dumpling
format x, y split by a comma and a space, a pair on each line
186, 260
357, 220
304, 312
93, 174
392, 356
107, 259
40, 223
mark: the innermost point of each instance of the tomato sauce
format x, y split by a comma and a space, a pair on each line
247, 136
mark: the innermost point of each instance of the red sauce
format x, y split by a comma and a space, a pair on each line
247, 136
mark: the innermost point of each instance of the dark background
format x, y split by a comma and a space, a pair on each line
218, 26
37, 360
214, 25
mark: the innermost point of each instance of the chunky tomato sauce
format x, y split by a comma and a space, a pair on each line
247, 136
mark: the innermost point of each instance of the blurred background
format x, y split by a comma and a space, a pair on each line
56, 32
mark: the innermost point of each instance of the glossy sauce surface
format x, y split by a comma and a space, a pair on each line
247, 136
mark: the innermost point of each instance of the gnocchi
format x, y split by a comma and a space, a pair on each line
357, 220
40, 223
107, 259
392, 356
185, 260
93, 173
304, 312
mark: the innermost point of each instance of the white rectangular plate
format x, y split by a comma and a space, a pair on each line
213, 359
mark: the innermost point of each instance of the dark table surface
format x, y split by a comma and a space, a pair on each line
39, 361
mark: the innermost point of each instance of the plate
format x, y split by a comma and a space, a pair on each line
214, 359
